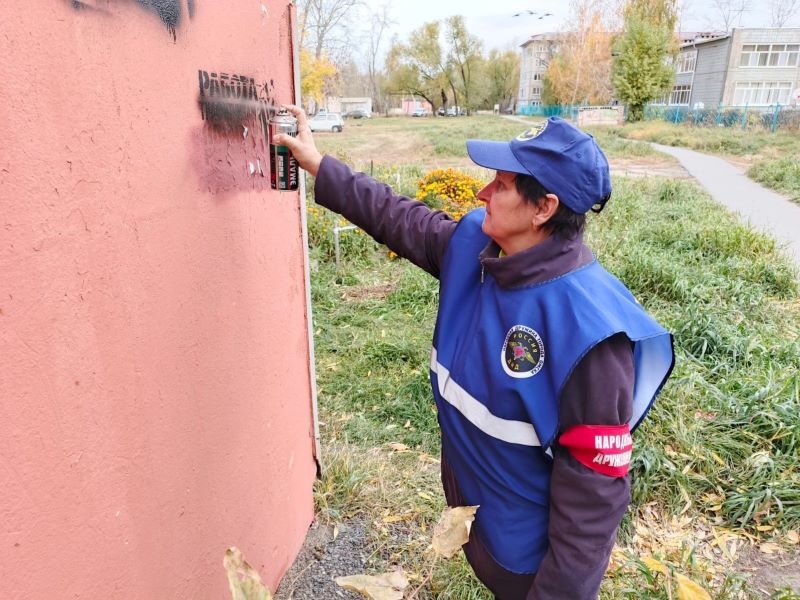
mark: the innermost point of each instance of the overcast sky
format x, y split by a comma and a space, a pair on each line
494, 22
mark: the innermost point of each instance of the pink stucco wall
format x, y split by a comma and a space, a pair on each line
155, 389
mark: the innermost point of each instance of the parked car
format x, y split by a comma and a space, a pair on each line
456, 111
358, 113
420, 112
440, 111
326, 122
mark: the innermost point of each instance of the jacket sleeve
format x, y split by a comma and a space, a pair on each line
406, 226
586, 507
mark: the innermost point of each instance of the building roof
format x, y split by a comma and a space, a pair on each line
694, 38
542, 37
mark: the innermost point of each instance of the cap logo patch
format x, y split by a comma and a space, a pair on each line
533, 132
523, 352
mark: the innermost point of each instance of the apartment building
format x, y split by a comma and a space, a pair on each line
746, 67
537, 53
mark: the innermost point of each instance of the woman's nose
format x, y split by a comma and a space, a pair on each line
486, 193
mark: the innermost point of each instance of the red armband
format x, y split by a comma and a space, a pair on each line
602, 448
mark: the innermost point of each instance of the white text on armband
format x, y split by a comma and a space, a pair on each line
613, 460
609, 442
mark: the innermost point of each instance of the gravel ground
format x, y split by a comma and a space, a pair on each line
321, 560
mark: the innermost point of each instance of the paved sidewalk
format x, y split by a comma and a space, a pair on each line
728, 185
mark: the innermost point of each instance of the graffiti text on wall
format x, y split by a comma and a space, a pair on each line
228, 100
169, 11
231, 148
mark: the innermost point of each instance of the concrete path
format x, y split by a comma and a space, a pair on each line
762, 208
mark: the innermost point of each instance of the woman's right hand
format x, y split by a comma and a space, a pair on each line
302, 146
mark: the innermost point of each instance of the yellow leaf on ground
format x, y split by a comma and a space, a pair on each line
452, 530
398, 447
689, 590
387, 586
792, 537
424, 457
655, 566
393, 518
769, 548
617, 559
244, 581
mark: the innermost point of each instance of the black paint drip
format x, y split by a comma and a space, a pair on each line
169, 11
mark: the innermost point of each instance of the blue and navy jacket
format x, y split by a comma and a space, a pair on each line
499, 361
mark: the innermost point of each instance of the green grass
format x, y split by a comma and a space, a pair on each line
730, 141
374, 141
780, 174
724, 434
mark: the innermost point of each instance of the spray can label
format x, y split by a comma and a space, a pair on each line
283, 170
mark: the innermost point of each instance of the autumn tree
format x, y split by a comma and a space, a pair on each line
464, 58
321, 20
581, 71
644, 54
500, 78
315, 74
419, 67
380, 22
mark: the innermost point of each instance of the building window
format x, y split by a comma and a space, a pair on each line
537, 76
762, 93
680, 94
686, 62
769, 55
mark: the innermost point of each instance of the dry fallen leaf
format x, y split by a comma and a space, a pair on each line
617, 559
244, 581
769, 548
452, 530
388, 586
398, 447
393, 518
689, 590
655, 566
792, 537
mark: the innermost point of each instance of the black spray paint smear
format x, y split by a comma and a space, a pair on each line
228, 101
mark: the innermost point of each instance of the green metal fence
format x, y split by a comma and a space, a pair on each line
770, 118
565, 112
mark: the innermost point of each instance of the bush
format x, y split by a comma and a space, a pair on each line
452, 191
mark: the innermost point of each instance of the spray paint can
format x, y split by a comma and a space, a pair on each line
283, 170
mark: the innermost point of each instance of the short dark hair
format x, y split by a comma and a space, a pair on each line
565, 222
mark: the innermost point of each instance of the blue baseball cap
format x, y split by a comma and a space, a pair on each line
565, 160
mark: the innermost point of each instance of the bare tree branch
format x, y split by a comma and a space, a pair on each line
729, 12
782, 11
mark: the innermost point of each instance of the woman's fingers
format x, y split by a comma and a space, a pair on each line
302, 147
299, 114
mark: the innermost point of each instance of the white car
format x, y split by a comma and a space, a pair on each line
326, 122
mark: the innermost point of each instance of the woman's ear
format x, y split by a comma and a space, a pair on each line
545, 209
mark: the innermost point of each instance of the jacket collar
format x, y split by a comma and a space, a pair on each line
547, 260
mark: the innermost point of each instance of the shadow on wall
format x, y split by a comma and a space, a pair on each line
169, 11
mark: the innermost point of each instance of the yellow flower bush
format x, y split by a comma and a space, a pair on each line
449, 190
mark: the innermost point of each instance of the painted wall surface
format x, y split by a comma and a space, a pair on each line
155, 389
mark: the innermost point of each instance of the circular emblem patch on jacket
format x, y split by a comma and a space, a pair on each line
523, 352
